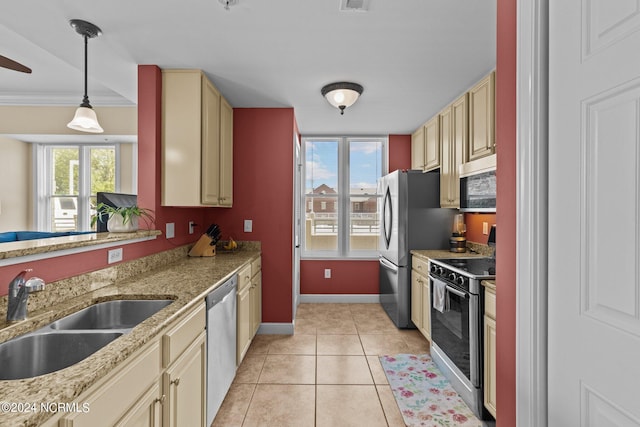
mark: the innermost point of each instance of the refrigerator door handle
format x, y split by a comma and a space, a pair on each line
389, 266
387, 219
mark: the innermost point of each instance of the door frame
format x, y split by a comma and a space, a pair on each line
532, 212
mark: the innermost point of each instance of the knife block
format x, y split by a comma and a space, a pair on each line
203, 247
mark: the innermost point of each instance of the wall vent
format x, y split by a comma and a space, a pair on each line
354, 5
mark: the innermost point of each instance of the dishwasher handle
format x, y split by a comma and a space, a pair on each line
219, 293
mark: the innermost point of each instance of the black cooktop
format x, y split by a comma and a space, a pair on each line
477, 268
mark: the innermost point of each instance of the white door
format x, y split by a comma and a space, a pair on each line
594, 213
297, 221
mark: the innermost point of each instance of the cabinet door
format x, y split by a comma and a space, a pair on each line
210, 162
255, 299
459, 133
416, 300
446, 168
244, 323
426, 307
417, 149
147, 411
481, 118
490, 365
226, 154
432, 144
184, 385
181, 133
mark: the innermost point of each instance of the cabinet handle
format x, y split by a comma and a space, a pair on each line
160, 399
176, 382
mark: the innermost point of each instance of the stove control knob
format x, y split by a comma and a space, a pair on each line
452, 276
434, 268
461, 280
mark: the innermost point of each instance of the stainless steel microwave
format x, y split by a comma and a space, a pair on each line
478, 185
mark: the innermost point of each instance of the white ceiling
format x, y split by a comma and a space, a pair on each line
411, 56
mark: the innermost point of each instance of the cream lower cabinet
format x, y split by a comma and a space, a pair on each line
255, 295
421, 296
184, 384
243, 330
128, 397
490, 351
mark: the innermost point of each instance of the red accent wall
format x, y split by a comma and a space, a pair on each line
506, 211
474, 221
263, 153
399, 152
149, 146
347, 277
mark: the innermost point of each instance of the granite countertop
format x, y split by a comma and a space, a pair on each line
186, 281
443, 253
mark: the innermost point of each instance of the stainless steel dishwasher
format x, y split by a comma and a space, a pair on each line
221, 344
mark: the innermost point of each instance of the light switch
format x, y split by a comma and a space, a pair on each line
248, 226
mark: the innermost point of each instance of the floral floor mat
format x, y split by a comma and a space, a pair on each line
425, 397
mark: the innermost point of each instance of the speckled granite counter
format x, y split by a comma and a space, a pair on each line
39, 246
435, 253
187, 281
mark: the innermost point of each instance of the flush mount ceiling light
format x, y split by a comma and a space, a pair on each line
342, 94
228, 3
85, 119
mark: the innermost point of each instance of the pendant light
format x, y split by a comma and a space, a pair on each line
85, 119
342, 94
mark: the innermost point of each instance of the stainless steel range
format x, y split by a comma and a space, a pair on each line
457, 307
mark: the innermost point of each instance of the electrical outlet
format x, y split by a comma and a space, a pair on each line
192, 226
115, 255
248, 226
327, 273
485, 228
170, 230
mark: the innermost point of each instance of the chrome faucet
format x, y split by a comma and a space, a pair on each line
19, 289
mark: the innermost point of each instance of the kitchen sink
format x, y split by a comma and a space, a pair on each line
42, 353
73, 338
118, 314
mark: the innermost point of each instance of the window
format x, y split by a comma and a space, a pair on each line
68, 178
341, 195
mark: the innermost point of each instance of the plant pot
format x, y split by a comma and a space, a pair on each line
115, 224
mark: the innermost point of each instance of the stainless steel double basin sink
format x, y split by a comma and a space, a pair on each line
73, 338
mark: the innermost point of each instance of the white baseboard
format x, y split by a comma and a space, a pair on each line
276, 329
340, 298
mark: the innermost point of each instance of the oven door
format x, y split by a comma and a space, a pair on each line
456, 330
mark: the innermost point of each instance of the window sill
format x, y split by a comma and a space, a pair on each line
33, 250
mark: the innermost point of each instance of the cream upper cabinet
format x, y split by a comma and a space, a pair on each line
482, 118
417, 149
425, 146
490, 351
432, 144
454, 142
197, 142
226, 153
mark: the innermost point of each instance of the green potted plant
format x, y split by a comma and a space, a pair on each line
123, 219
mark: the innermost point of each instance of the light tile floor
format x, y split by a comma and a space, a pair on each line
327, 374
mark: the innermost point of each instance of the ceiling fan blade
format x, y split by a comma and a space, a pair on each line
13, 65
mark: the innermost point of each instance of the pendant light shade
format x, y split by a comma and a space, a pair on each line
85, 119
342, 94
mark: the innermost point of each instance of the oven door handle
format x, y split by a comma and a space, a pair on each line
457, 292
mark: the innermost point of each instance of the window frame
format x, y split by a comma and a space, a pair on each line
343, 197
43, 172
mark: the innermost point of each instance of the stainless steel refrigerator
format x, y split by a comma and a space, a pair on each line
411, 219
